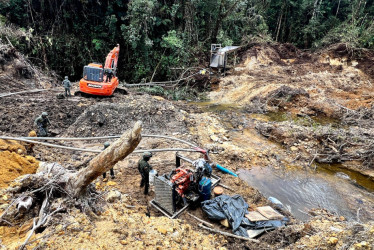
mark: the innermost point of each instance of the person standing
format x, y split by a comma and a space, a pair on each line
67, 86
107, 144
144, 169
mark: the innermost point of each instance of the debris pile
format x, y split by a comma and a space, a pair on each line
158, 116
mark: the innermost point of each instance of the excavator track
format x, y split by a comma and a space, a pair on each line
121, 90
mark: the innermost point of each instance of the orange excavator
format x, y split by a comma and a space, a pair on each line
101, 81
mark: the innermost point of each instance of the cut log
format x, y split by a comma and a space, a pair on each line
104, 161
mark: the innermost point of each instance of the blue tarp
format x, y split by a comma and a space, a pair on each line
234, 208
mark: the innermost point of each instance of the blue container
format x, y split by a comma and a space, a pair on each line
205, 188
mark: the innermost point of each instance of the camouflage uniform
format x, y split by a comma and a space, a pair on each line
106, 144
67, 85
144, 169
42, 122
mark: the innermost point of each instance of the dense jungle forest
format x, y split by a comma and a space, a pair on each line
158, 36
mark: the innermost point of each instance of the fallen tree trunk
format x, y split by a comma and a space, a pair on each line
104, 161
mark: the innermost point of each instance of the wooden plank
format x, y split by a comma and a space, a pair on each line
255, 216
269, 213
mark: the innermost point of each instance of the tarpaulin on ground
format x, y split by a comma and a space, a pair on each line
225, 207
233, 208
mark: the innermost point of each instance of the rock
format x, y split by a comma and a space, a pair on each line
362, 245
293, 148
332, 240
341, 218
123, 242
59, 228
162, 230
225, 223
113, 196
4, 206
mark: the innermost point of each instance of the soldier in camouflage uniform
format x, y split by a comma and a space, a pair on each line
42, 122
67, 85
144, 169
107, 144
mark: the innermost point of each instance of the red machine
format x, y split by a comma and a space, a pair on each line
98, 80
182, 180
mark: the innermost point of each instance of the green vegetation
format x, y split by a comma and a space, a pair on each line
156, 36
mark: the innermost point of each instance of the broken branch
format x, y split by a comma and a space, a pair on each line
202, 221
228, 234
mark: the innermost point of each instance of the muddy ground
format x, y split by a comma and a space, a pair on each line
280, 106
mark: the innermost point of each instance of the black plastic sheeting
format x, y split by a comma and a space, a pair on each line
233, 208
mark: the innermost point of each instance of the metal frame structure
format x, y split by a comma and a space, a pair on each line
218, 56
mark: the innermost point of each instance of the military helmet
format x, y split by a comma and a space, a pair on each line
106, 144
66, 77
44, 114
147, 154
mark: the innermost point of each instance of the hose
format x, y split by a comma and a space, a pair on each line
25, 91
165, 82
49, 144
93, 150
104, 137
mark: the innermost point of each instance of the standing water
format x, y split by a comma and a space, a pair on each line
301, 191
341, 191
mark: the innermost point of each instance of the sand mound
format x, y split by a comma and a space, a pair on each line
13, 164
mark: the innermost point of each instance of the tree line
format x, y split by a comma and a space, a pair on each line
156, 37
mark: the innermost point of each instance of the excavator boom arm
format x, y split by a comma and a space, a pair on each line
112, 59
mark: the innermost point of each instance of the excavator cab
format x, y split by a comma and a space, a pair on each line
93, 73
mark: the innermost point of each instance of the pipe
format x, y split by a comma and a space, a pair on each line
225, 170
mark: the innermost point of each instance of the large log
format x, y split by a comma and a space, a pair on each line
106, 160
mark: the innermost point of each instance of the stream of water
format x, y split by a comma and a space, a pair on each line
341, 191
